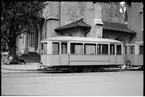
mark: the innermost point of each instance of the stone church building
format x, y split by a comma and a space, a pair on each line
84, 19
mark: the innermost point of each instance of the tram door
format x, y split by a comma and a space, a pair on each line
63, 57
112, 54
129, 54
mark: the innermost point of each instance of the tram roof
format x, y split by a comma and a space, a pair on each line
80, 39
139, 42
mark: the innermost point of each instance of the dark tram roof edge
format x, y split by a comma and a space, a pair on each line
107, 25
78, 23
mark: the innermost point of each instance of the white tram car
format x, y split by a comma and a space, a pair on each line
134, 55
79, 53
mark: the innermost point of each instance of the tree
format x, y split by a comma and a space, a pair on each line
110, 12
19, 17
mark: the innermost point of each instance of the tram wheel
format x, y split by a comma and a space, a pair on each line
99, 69
128, 64
141, 68
79, 69
71, 69
92, 69
74, 69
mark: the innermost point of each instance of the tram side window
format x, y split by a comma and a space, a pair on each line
132, 49
141, 49
99, 49
102, 49
76, 48
112, 49
55, 48
118, 49
44, 48
63, 48
90, 49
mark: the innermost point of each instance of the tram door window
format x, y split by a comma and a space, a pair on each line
44, 48
118, 50
76, 48
90, 49
132, 49
63, 48
126, 50
102, 49
141, 49
112, 49
55, 48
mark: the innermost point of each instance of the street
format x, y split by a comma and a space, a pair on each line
117, 83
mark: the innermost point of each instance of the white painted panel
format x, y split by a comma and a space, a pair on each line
43, 60
54, 59
119, 59
89, 60
64, 59
92, 58
89, 63
50, 60
138, 60
112, 59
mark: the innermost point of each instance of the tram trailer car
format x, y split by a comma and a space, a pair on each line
134, 55
81, 53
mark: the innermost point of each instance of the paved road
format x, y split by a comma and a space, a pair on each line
123, 83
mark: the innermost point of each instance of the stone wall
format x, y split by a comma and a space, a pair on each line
70, 12
135, 19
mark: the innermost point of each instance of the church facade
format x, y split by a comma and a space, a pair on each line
83, 19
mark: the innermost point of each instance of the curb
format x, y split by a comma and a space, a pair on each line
17, 71
28, 71
20, 69
20, 72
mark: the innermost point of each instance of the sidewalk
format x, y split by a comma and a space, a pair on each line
28, 67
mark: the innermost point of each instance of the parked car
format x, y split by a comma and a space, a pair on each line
4, 56
6, 59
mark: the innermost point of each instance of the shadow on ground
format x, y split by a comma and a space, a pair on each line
106, 70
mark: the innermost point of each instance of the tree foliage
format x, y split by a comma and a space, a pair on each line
110, 12
19, 17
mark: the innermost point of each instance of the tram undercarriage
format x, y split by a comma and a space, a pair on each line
92, 68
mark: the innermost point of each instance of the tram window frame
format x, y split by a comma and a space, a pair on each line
119, 52
85, 48
112, 52
72, 48
57, 50
132, 49
44, 48
141, 50
65, 46
101, 49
